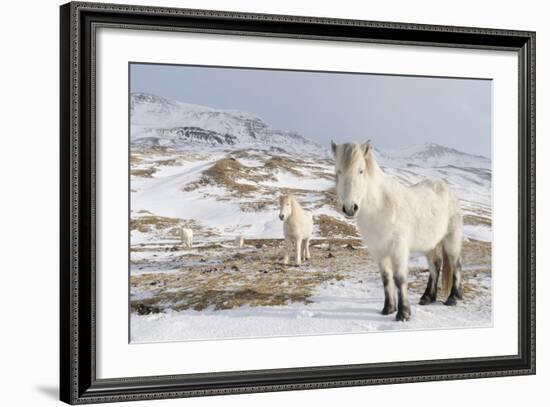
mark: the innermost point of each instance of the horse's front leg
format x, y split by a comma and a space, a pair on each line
298, 251
400, 275
386, 273
288, 249
306, 249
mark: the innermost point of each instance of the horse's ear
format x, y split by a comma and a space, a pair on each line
333, 147
367, 148
369, 157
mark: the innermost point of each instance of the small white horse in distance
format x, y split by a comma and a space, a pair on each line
186, 236
395, 219
239, 241
297, 227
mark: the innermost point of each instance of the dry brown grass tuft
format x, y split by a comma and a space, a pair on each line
476, 220
257, 206
149, 222
476, 252
143, 172
136, 158
329, 198
277, 162
330, 227
154, 150
225, 173
169, 162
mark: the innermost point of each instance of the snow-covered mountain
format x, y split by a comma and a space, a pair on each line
431, 155
157, 120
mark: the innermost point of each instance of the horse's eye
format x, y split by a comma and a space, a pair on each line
361, 171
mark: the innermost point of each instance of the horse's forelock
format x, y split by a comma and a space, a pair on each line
349, 154
285, 198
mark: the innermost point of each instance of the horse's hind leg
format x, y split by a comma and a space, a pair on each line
456, 289
303, 253
386, 273
434, 264
452, 244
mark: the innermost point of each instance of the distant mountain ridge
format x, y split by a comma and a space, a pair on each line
156, 120
431, 155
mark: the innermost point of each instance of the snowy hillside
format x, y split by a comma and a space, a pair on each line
159, 121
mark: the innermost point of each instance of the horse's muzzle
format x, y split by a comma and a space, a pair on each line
350, 210
282, 217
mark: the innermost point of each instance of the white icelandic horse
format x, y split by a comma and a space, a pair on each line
239, 241
297, 227
395, 220
186, 236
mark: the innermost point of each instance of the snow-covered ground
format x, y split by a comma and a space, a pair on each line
220, 173
337, 307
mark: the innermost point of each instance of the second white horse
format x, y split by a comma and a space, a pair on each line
297, 227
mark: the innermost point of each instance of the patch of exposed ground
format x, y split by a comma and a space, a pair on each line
145, 162
137, 158
153, 150
226, 173
146, 172
329, 199
475, 252
253, 277
277, 163
329, 226
146, 222
259, 206
219, 277
476, 220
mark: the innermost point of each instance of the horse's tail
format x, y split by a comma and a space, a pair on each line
447, 274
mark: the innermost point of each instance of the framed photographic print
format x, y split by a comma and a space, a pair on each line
255, 203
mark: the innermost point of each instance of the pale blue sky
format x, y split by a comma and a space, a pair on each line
392, 111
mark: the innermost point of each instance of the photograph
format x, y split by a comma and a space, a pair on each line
272, 203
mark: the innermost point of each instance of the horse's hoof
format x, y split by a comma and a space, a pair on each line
425, 300
450, 301
402, 316
388, 310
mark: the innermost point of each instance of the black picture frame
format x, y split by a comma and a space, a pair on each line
78, 381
